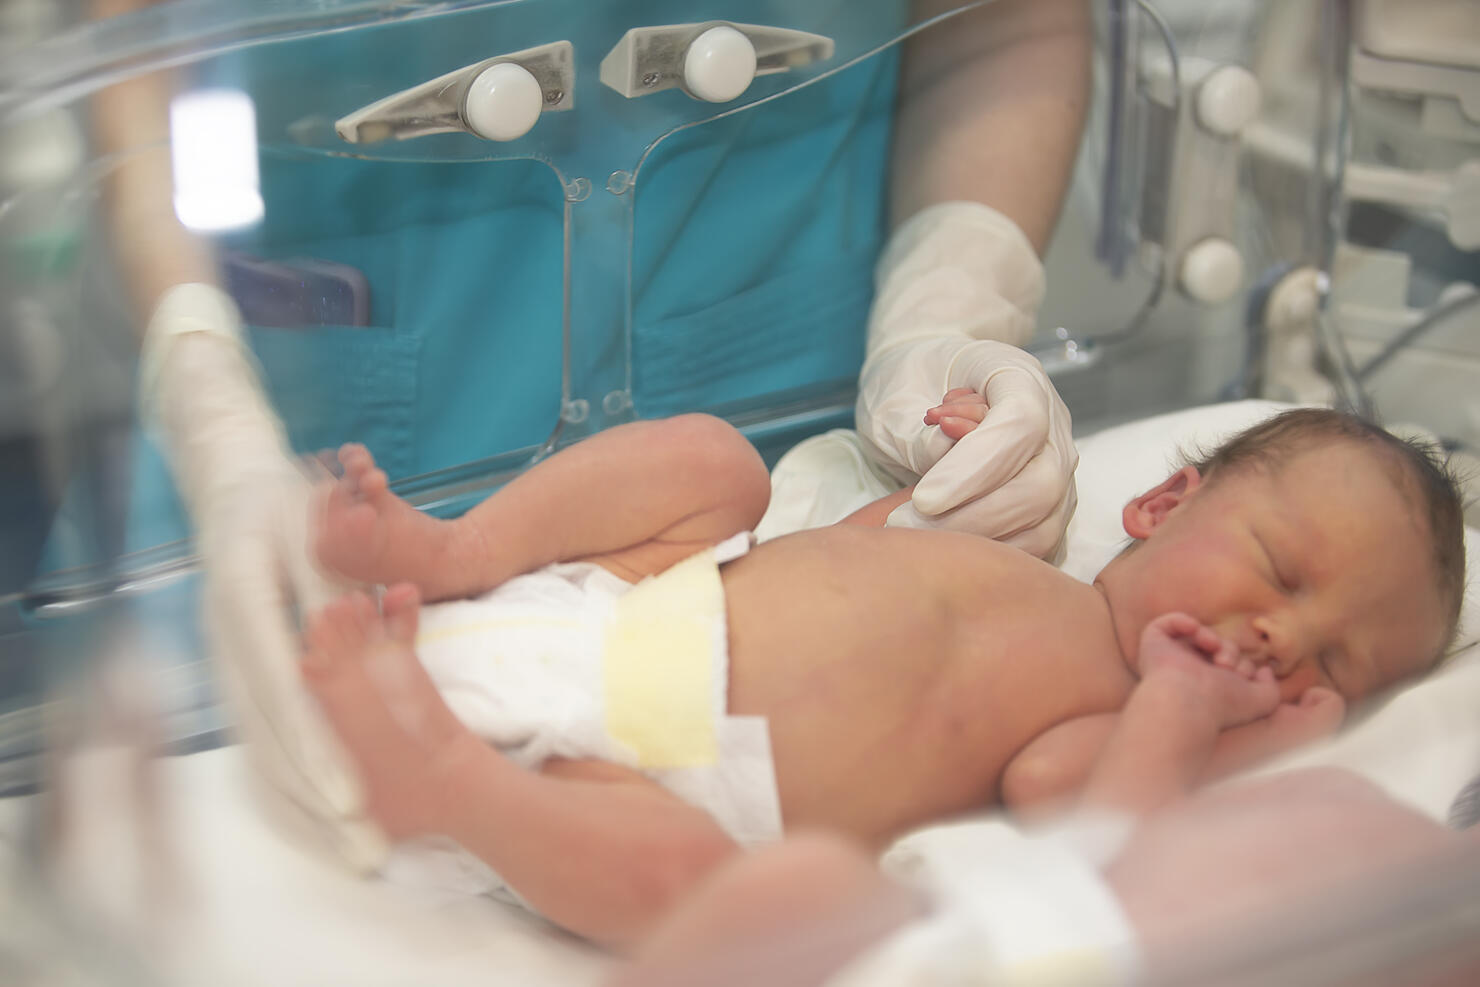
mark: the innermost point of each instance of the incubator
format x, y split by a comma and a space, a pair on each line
468, 233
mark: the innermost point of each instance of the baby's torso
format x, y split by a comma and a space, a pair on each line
900, 671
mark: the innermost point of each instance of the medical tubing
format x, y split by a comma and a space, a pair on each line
1329, 204
1432, 318
1158, 288
1110, 242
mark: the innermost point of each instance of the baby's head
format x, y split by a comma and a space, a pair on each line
1315, 541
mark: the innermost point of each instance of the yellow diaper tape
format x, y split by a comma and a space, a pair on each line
664, 691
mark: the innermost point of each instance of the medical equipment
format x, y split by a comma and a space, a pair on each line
1184, 171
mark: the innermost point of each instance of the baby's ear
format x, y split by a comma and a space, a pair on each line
1146, 512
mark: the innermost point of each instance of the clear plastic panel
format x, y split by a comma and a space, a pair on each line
462, 306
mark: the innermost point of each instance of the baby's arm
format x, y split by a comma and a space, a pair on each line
1192, 688
1315, 715
1055, 766
1052, 770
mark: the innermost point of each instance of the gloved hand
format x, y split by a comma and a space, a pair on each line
251, 508
258, 581
958, 288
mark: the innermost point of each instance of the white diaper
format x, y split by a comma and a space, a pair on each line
572, 661
1009, 908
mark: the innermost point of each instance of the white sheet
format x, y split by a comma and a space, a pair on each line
241, 900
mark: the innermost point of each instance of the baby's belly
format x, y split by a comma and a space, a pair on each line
872, 727
902, 670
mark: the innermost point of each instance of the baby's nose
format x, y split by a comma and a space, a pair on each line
1277, 644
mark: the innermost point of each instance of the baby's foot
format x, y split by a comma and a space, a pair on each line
360, 666
368, 534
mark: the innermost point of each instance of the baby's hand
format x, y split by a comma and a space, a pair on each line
1179, 649
1317, 713
961, 410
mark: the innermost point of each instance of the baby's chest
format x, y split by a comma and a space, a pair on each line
1031, 673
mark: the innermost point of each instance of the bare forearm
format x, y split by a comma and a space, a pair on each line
1157, 752
991, 107
130, 121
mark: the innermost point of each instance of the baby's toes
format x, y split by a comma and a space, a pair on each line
355, 459
373, 483
401, 606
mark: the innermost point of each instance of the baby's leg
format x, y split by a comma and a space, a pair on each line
594, 847
393, 723
636, 498
790, 914
368, 534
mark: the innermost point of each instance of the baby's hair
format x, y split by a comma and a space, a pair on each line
1419, 470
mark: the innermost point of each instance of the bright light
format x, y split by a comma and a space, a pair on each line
213, 147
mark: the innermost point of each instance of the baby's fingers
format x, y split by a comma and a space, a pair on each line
1206, 640
1175, 624
973, 413
1225, 655
1200, 637
959, 395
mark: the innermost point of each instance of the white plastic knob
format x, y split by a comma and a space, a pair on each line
504, 102
1228, 100
719, 65
1212, 270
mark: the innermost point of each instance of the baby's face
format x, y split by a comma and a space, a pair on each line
1317, 567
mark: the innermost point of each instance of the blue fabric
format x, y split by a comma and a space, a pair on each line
751, 262
753, 243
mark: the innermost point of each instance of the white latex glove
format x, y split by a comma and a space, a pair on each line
958, 288
251, 506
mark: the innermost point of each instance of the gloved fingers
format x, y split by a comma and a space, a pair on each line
1011, 434
1024, 501
1046, 538
261, 582
296, 750
292, 748
249, 617
354, 839
297, 513
907, 441
1042, 538
894, 389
